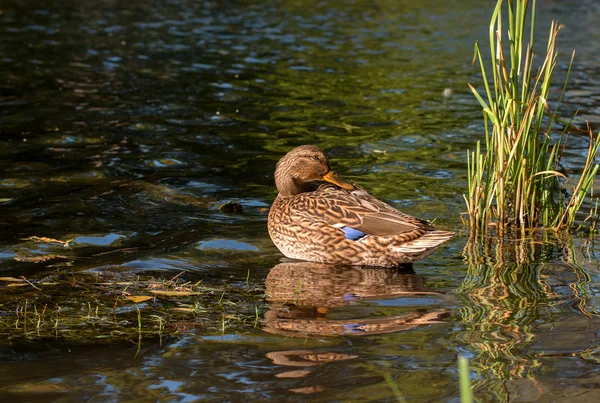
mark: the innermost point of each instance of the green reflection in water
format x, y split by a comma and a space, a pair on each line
517, 298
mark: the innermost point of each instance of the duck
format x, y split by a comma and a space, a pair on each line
317, 216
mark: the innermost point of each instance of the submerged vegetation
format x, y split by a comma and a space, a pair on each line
516, 180
117, 305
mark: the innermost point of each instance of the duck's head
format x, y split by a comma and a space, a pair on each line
300, 168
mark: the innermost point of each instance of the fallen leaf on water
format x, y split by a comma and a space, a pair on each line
16, 285
138, 298
11, 279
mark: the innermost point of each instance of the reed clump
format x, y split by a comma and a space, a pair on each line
515, 178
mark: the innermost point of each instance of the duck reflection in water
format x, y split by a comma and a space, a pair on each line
301, 294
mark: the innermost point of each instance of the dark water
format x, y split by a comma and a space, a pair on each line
124, 127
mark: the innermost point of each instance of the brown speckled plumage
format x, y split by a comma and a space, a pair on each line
314, 204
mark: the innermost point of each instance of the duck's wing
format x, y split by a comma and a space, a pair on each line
357, 210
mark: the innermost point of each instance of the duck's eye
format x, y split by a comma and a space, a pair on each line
315, 158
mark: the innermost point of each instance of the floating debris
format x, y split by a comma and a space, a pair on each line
231, 207
44, 239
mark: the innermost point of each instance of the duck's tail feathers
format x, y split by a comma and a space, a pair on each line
426, 244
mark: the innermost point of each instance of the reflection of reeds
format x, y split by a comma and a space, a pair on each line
515, 179
510, 285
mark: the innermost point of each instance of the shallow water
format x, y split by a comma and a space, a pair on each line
125, 129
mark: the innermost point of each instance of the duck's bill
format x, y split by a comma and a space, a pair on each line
334, 178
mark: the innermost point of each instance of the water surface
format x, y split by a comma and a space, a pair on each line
126, 129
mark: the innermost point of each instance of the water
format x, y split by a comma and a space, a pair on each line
125, 129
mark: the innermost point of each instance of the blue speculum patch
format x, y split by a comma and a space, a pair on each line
353, 234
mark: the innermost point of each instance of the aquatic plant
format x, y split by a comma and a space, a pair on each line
116, 305
516, 179
466, 392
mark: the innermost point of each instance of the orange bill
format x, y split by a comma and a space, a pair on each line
332, 177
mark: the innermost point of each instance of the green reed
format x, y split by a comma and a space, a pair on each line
515, 179
466, 392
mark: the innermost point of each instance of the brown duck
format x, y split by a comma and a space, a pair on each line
320, 217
